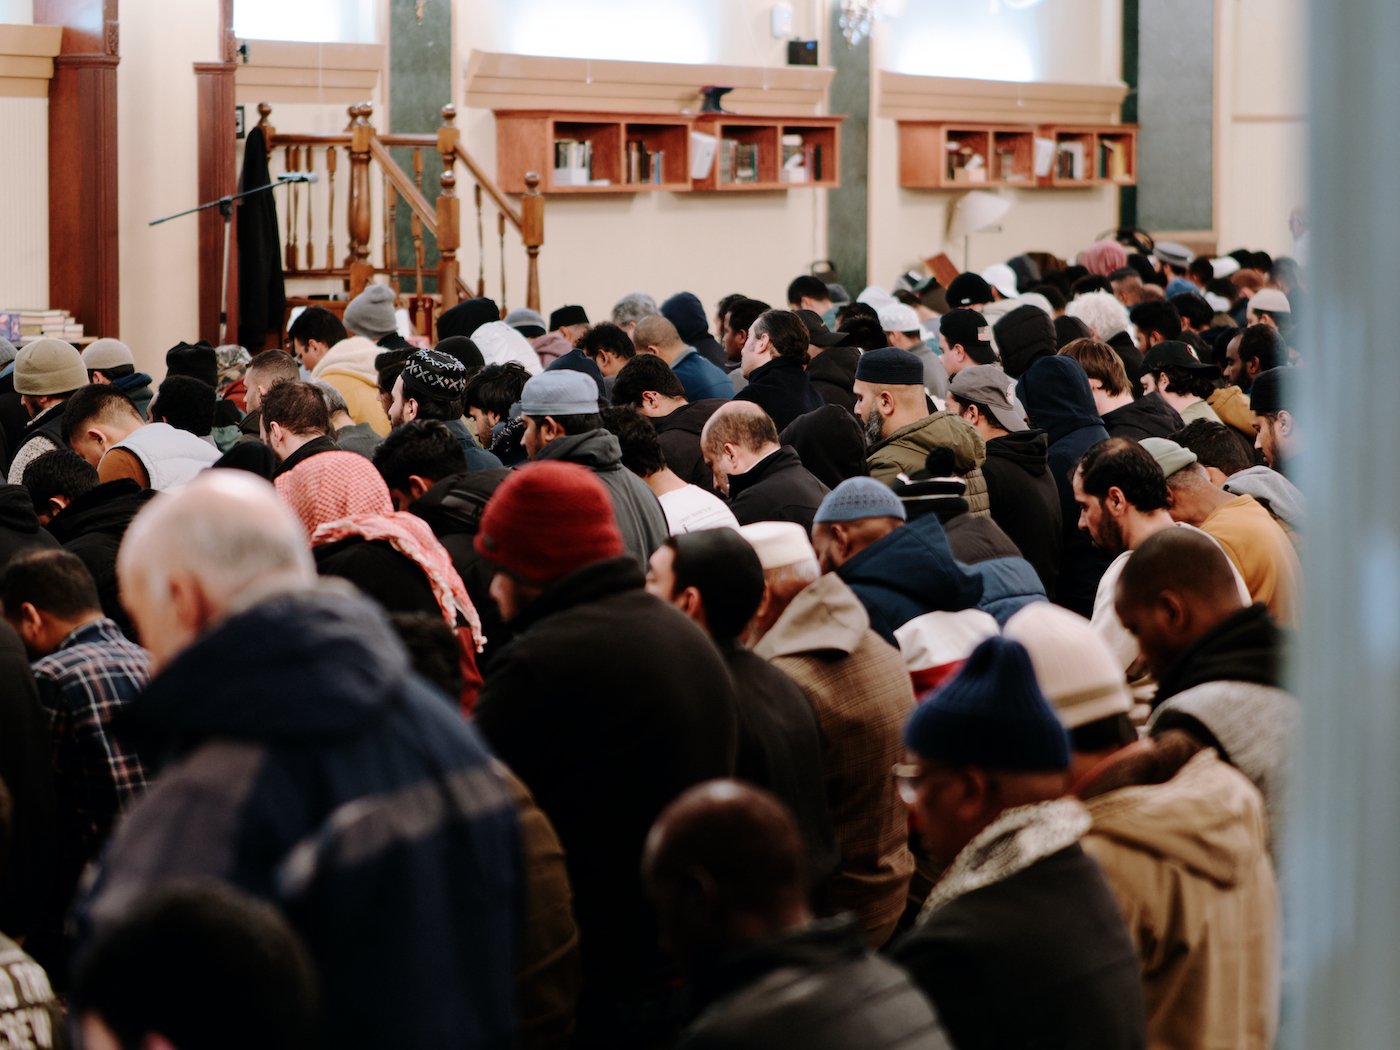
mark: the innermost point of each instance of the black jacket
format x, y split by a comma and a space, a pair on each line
452, 508
27, 879
19, 526
781, 388
1024, 335
1247, 647
818, 988
1056, 395
608, 703
262, 293
780, 749
392, 579
1024, 499
1128, 352
833, 374
1038, 960
830, 443
1148, 416
313, 447
777, 488
679, 435
13, 418
92, 527
639, 515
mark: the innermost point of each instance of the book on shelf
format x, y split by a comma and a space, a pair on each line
573, 162
1069, 161
746, 162
645, 166
1113, 159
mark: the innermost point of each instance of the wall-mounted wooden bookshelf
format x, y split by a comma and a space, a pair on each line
583, 153
946, 155
771, 153
590, 153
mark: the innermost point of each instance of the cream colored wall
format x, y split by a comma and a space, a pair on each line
1261, 151
24, 202
598, 248
157, 122
16, 12
1080, 41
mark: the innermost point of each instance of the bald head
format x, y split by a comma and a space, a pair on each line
1176, 587
657, 335
742, 424
724, 864
193, 557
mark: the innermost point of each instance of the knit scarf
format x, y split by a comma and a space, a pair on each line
1012, 843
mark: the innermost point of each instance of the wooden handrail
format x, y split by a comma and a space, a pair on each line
292, 139
404, 185
484, 181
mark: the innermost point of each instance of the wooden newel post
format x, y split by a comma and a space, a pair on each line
269, 132
361, 270
532, 234
449, 214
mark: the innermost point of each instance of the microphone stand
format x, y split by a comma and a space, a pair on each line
225, 206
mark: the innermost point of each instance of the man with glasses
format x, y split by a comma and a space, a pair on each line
1020, 942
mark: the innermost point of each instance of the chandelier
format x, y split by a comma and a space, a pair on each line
857, 19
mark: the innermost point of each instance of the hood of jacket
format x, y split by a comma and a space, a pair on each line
107, 509
941, 430
17, 511
830, 443
1232, 406
550, 347
826, 616
685, 311
353, 356
454, 505
1148, 416
1027, 449
1208, 818
915, 560
597, 450
327, 662
835, 365
1056, 396
1024, 335
1272, 489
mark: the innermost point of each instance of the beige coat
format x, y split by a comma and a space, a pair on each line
861, 693
349, 367
1188, 861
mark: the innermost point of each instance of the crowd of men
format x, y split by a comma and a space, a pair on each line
852, 673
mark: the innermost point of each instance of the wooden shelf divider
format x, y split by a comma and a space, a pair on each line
945, 155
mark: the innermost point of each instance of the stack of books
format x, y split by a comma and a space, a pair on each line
19, 324
802, 160
1069, 161
573, 162
644, 166
738, 161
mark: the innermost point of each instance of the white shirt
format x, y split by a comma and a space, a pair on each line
692, 509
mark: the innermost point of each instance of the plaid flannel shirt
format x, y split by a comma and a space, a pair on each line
92, 675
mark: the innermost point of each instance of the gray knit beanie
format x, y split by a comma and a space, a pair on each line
371, 313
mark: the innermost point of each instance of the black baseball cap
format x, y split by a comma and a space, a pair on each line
817, 332
1173, 353
969, 289
970, 330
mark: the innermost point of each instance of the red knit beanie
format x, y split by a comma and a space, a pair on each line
548, 520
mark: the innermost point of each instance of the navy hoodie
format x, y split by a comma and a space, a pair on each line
685, 311
909, 573
1056, 396
324, 776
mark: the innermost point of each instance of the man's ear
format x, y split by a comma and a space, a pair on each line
56, 504
1173, 610
841, 534
1115, 502
886, 403
274, 432
410, 409
690, 602
1283, 424
417, 485
189, 602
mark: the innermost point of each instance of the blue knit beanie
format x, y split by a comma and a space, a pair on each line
990, 714
858, 498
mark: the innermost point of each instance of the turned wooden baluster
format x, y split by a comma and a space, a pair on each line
361, 270
532, 234
480, 245
265, 111
331, 153
449, 215
391, 233
418, 167
310, 245
291, 153
501, 240
415, 224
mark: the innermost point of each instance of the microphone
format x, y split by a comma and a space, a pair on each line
299, 176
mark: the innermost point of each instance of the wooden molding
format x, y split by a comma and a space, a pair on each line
26, 59
288, 71
906, 97
217, 178
500, 81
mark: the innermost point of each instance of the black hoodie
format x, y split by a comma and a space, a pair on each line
1148, 416
1025, 501
1246, 647
1056, 395
679, 435
19, 527
92, 527
1023, 336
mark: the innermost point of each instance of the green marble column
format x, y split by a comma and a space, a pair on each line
848, 221
420, 84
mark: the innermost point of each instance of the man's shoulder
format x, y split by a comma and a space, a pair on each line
111, 659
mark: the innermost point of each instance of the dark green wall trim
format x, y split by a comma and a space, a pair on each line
848, 208
1127, 196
